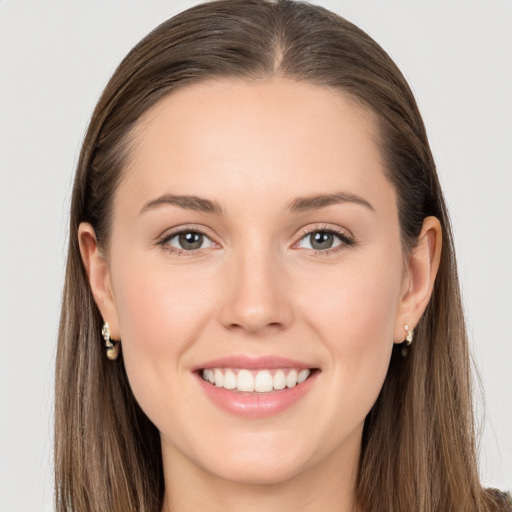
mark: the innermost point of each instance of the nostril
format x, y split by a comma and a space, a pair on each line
255, 301
255, 326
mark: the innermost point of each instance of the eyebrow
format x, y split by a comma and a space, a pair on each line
317, 201
198, 204
298, 205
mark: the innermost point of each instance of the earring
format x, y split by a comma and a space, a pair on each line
410, 334
111, 345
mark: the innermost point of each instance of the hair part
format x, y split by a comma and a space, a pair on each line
418, 450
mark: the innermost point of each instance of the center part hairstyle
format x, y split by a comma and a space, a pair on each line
418, 446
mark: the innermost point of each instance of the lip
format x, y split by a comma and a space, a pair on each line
253, 363
255, 405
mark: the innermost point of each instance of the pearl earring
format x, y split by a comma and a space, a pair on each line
111, 345
410, 334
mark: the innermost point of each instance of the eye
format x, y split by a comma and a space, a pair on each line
323, 240
188, 241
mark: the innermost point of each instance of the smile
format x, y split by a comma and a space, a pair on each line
255, 387
259, 381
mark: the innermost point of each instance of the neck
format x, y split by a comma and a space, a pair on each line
329, 486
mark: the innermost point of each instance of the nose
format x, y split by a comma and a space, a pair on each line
257, 294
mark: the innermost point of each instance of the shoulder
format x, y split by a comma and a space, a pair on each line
503, 500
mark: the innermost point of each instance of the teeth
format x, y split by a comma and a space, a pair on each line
245, 381
259, 381
219, 378
302, 376
263, 382
230, 380
291, 379
279, 380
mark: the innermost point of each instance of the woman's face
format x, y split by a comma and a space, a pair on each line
255, 233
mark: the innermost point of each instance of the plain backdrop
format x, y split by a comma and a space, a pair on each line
55, 58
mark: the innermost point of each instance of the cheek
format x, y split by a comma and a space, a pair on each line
355, 309
161, 314
159, 307
353, 313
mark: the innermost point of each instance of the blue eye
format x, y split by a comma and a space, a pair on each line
322, 240
188, 241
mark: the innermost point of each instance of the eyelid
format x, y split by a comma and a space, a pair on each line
169, 234
332, 228
184, 228
344, 234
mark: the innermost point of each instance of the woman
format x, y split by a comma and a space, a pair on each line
261, 309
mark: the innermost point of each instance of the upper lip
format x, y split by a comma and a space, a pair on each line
252, 362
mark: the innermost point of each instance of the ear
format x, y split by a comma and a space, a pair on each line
95, 264
422, 265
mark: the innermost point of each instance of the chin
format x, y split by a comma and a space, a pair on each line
261, 462
259, 472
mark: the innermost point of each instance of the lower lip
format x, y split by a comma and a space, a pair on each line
256, 405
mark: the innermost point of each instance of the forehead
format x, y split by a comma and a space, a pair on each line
272, 139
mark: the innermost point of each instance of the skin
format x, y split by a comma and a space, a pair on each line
257, 286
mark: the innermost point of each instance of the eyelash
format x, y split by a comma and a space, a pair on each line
164, 241
345, 239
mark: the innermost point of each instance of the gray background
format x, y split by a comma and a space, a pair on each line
55, 58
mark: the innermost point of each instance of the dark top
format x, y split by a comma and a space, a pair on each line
502, 499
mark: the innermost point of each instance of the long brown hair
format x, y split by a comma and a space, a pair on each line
418, 451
